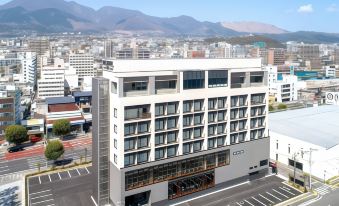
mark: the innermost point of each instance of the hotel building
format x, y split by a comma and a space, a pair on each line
164, 129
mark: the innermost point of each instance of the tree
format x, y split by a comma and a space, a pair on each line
54, 150
282, 106
16, 134
270, 108
61, 127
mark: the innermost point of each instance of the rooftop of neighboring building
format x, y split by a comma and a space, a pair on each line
82, 93
316, 125
59, 100
62, 107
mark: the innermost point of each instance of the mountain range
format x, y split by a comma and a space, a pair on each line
55, 16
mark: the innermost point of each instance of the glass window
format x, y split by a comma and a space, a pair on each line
159, 124
129, 129
211, 103
211, 130
129, 159
171, 122
221, 129
129, 144
139, 86
187, 120
253, 135
253, 112
211, 143
198, 104
242, 100
253, 123
143, 127
159, 139
221, 102
234, 126
159, 153
142, 156
211, 116
234, 101
172, 108
221, 141
159, 109
197, 146
241, 136
221, 116
197, 132
171, 151
234, 138
187, 106
261, 110
242, 125
217, 78
186, 148
171, 137
114, 88
242, 113
143, 141
194, 79
260, 133
198, 119
187, 134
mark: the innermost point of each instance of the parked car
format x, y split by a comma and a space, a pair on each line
15, 149
35, 139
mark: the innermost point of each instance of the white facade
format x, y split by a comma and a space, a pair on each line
283, 90
83, 64
164, 111
330, 71
52, 82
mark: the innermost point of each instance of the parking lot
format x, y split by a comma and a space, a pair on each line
69, 187
262, 192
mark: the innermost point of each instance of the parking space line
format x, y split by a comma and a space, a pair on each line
39, 180
274, 196
287, 188
258, 201
87, 170
238, 204
59, 175
287, 191
40, 196
49, 178
69, 174
42, 201
78, 171
50, 205
249, 202
280, 193
39, 192
266, 198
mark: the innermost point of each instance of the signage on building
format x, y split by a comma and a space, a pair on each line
332, 98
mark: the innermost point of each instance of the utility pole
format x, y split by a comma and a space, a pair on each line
310, 162
294, 168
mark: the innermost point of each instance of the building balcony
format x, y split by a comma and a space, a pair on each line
144, 115
257, 103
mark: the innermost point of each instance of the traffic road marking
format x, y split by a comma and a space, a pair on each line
69, 174
287, 191
59, 175
42, 201
78, 171
266, 198
258, 201
280, 193
49, 178
32, 198
39, 180
39, 192
249, 203
87, 170
274, 196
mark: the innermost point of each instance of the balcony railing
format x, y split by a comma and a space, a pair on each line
144, 115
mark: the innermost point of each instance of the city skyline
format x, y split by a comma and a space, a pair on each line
289, 15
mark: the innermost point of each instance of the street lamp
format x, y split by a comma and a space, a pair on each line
310, 163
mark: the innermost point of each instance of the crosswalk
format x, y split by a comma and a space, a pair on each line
323, 190
41, 198
35, 162
5, 179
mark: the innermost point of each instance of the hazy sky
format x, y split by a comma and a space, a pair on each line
293, 15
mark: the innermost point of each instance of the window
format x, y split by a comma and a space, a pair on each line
263, 162
159, 153
257, 77
277, 145
221, 116
211, 116
143, 141
115, 129
115, 144
194, 79
241, 137
233, 126
211, 143
233, 138
221, 141
242, 100
234, 101
221, 102
187, 106
159, 124
115, 113
211, 103
186, 148
217, 78
159, 139
114, 88
142, 157
221, 129
115, 159
139, 86
242, 113
260, 122
172, 108
129, 129
211, 130
261, 110
260, 133
159, 109
187, 120
253, 135
171, 151
242, 125
129, 144
253, 112
187, 134
197, 132
289, 149
253, 123
172, 122
171, 137
129, 159
143, 127
234, 113
198, 104
198, 119
197, 146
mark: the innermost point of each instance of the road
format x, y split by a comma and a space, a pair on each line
329, 199
12, 169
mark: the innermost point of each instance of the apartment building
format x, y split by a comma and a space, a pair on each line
9, 107
83, 64
163, 129
276, 56
52, 82
133, 53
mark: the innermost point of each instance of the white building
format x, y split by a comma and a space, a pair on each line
284, 87
158, 124
83, 64
296, 132
330, 71
52, 82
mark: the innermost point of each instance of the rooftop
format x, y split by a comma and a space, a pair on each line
316, 125
82, 94
62, 107
59, 100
